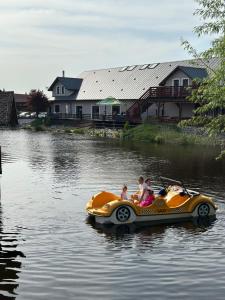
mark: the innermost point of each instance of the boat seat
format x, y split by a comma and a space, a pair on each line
102, 198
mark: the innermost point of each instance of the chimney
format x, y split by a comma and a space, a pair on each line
63, 73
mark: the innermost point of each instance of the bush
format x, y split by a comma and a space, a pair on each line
68, 130
48, 121
38, 125
79, 130
37, 122
161, 134
39, 128
159, 139
126, 126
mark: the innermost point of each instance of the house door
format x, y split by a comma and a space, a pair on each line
115, 110
185, 84
57, 108
95, 112
176, 85
79, 111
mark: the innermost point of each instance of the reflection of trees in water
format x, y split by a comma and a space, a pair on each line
65, 160
194, 164
9, 264
58, 153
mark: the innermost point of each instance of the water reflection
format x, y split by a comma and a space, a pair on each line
184, 162
147, 231
9, 264
51, 179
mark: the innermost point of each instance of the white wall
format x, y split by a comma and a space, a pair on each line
68, 106
177, 75
170, 110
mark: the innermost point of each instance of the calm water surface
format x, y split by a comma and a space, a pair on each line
48, 250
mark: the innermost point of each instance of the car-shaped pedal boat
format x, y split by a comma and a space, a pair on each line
173, 202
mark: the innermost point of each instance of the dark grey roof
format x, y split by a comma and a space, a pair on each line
194, 72
191, 72
69, 83
63, 98
100, 84
7, 109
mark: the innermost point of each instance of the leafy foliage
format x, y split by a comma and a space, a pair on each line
210, 92
38, 101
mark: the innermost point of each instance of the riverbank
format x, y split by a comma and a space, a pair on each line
169, 134
44, 125
148, 133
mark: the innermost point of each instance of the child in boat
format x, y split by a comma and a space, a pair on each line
149, 199
124, 193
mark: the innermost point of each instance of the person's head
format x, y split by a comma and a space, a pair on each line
148, 181
124, 188
141, 180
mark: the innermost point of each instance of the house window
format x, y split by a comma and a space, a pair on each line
152, 66
63, 90
144, 67
176, 87
58, 90
131, 68
185, 82
57, 108
123, 69
176, 82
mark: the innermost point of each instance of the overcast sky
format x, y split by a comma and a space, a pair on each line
40, 38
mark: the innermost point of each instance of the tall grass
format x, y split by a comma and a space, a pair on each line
163, 134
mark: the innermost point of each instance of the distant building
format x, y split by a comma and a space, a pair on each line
151, 90
8, 115
22, 102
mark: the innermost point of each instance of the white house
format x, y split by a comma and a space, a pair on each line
154, 89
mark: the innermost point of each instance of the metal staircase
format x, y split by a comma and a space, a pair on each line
159, 94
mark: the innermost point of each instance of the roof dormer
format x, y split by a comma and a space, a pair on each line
65, 86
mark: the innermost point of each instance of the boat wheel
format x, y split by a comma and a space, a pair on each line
203, 210
123, 214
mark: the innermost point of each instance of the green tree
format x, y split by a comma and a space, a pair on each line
38, 101
210, 92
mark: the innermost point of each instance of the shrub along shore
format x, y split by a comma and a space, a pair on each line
148, 133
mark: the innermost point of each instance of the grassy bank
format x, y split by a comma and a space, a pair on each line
44, 125
148, 133
164, 134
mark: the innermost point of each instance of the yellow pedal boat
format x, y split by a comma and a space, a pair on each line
172, 203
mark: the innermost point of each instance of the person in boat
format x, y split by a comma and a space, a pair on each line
149, 199
141, 194
124, 193
148, 182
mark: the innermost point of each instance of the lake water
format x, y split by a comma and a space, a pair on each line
48, 249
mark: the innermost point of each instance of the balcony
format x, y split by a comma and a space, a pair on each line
169, 93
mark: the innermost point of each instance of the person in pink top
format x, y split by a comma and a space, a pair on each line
124, 193
149, 199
